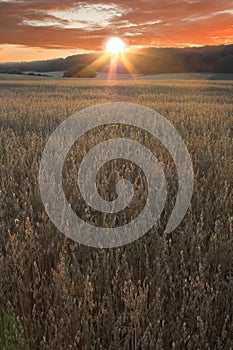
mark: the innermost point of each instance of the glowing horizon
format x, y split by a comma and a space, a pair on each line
36, 30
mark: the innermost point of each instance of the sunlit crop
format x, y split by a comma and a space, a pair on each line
160, 292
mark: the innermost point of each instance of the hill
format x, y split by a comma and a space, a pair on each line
207, 59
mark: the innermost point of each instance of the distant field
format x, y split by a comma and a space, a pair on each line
160, 292
104, 76
222, 76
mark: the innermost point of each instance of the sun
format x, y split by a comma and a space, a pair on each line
115, 46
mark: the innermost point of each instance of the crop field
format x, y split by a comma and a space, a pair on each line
161, 291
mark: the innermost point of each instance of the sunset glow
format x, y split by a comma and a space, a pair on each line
40, 30
115, 46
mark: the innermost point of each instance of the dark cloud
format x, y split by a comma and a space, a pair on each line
143, 22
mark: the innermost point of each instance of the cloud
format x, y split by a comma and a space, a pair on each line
85, 25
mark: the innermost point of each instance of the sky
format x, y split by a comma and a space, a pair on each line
40, 29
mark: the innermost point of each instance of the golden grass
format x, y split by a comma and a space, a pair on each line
156, 293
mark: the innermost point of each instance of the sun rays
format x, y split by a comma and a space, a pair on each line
116, 59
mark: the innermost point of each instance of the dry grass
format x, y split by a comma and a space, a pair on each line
155, 293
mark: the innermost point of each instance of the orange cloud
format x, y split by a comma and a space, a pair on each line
85, 25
